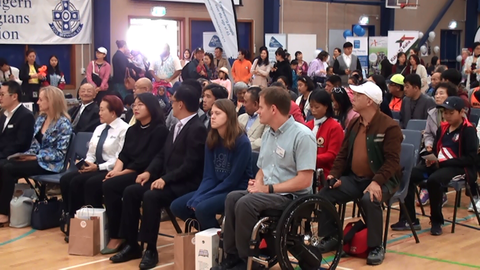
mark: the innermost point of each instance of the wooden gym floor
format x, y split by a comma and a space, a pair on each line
26, 248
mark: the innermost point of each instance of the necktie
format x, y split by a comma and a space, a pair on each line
101, 142
178, 128
77, 117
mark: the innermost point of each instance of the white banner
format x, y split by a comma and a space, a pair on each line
222, 13
46, 22
273, 42
400, 41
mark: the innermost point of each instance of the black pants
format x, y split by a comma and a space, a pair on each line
242, 210
113, 189
10, 172
437, 180
153, 203
80, 188
352, 188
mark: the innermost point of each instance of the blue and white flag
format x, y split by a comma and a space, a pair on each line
222, 13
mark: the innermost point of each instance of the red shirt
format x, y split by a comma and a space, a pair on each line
296, 113
329, 140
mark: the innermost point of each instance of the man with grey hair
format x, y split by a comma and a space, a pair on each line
239, 90
167, 68
367, 168
85, 117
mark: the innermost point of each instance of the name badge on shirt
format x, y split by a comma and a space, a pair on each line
35, 94
10, 126
280, 151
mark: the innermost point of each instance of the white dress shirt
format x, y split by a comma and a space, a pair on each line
9, 115
348, 60
181, 124
83, 106
4, 76
112, 146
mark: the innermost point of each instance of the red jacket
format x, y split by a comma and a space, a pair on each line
329, 140
296, 113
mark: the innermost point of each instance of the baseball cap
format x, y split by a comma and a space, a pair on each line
369, 89
199, 49
102, 50
453, 103
396, 79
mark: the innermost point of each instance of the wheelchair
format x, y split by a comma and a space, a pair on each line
293, 235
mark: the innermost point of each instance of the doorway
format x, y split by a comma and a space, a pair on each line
148, 35
450, 47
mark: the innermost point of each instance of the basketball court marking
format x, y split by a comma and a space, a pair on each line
106, 259
18, 237
433, 259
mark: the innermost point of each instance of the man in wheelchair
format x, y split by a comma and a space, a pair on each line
286, 164
367, 168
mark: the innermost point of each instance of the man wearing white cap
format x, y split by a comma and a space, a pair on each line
367, 167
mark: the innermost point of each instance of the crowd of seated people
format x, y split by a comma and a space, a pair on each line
194, 155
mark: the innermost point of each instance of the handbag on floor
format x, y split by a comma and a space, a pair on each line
21, 207
355, 239
46, 214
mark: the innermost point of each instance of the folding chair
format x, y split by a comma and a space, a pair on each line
458, 185
396, 115
474, 119
417, 124
406, 163
475, 111
413, 137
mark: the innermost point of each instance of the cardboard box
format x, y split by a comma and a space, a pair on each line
206, 249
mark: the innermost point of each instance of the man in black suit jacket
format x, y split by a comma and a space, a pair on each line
16, 126
85, 117
174, 172
16, 121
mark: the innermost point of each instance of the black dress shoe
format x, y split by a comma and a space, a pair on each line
149, 260
126, 254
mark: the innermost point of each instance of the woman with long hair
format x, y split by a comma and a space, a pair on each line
100, 159
208, 60
31, 79
318, 68
342, 107
143, 141
305, 88
401, 64
187, 54
471, 68
281, 68
227, 168
261, 69
302, 69
54, 74
327, 131
417, 68
48, 150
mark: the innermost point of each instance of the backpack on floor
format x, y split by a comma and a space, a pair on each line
355, 239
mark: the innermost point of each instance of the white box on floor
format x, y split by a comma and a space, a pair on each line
206, 249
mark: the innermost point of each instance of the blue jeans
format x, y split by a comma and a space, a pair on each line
205, 212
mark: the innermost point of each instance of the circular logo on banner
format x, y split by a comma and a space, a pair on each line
66, 20
83, 224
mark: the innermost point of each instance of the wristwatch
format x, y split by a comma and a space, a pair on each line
270, 189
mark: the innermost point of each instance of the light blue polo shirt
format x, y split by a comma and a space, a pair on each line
290, 149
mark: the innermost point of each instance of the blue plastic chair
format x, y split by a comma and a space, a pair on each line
77, 149
474, 119
406, 163
417, 124
475, 111
396, 115
458, 185
413, 137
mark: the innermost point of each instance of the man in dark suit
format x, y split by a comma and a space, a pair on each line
175, 171
85, 117
16, 124
211, 93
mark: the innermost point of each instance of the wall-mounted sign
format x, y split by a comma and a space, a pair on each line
235, 2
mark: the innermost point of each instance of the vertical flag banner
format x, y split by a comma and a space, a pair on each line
46, 22
377, 51
400, 41
222, 13
273, 42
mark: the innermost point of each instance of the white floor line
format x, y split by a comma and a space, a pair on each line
102, 260
163, 265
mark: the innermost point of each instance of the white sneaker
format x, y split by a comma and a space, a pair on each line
476, 199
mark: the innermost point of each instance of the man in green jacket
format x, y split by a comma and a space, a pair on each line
367, 167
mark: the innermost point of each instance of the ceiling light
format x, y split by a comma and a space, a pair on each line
453, 24
363, 20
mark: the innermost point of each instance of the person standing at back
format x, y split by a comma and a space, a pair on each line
119, 64
241, 68
346, 63
8, 73
415, 104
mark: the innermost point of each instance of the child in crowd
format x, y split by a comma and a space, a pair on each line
224, 80
294, 66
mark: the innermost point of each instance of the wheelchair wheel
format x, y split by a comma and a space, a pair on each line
300, 230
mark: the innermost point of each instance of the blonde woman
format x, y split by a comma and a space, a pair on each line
48, 150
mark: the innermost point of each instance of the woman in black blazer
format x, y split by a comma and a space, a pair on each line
143, 141
31, 80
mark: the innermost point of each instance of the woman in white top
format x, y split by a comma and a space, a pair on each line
224, 81
305, 88
471, 69
420, 70
261, 69
105, 145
